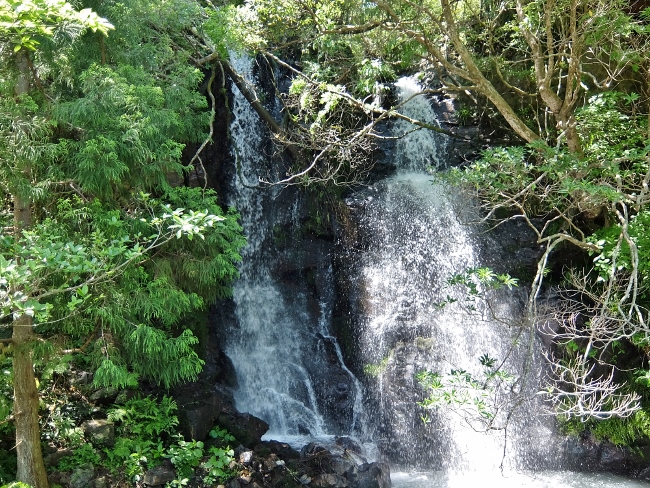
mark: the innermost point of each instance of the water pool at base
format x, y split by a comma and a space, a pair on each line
547, 479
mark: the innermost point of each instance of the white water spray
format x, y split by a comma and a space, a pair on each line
280, 347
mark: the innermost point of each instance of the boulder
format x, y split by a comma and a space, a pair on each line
99, 432
105, 396
304, 479
246, 458
644, 474
282, 449
372, 475
53, 458
269, 463
159, 476
349, 444
246, 428
197, 416
102, 482
313, 449
327, 480
82, 476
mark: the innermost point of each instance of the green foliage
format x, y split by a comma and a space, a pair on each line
145, 417
475, 398
217, 466
221, 27
85, 454
221, 436
376, 370
475, 283
24, 22
614, 256
220, 456
60, 427
145, 426
185, 456
551, 181
126, 128
7, 469
111, 258
130, 457
6, 392
630, 431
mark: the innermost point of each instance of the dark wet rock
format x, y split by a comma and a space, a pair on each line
282, 449
198, 415
304, 479
372, 475
269, 463
126, 395
326, 480
349, 444
159, 476
613, 458
246, 428
313, 449
644, 474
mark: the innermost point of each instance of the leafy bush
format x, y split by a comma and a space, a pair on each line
185, 456
82, 455
146, 417
217, 465
132, 456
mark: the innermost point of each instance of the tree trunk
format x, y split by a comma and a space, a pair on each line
251, 97
483, 85
31, 469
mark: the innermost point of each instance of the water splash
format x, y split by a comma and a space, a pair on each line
417, 240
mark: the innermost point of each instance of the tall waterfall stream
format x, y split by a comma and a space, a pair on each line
290, 369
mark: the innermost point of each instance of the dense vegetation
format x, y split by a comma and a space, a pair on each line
102, 259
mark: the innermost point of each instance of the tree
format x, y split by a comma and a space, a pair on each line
101, 246
598, 203
548, 53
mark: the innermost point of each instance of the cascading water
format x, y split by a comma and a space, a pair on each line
416, 244
415, 239
288, 366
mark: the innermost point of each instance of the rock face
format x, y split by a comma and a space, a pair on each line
277, 464
201, 407
247, 428
199, 414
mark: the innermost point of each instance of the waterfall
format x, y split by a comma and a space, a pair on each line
418, 238
410, 237
289, 368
